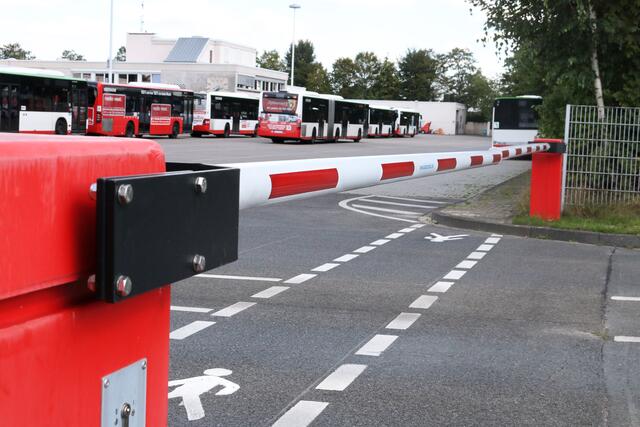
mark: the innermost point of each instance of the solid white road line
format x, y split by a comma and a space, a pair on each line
233, 309
364, 249
190, 309
302, 414
394, 235
476, 255
396, 211
346, 258
345, 205
413, 200
466, 264
496, 235
190, 329
325, 267
403, 321
342, 377
409, 205
621, 338
634, 299
407, 230
424, 302
417, 226
222, 276
492, 240
440, 287
300, 278
376, 345
484, 248
269, 292
454, 275
379, 242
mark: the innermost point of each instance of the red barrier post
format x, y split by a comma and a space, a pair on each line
59, 345
546, 181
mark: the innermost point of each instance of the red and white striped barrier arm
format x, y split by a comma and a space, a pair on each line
264, 183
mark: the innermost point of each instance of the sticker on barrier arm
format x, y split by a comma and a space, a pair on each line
154, 230
189, 390
438, 238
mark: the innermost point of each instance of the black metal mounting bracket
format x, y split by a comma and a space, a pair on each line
153, 230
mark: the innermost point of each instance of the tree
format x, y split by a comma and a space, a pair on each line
387, 84
305, 59
15, 51
454, 77
479, 96
343, 77
71, 55
418, 71
318, 79
367, 72
579, 51
121, 55
270, 59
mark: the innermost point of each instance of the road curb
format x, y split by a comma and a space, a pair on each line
588, 237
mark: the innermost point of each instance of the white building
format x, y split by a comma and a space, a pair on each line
451, 117
196, 63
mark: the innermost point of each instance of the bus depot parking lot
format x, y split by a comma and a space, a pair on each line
350, 309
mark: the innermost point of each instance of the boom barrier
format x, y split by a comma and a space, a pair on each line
93, 230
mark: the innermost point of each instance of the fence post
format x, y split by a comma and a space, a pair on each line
547, 181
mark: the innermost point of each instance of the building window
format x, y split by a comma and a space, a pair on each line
86, 76
121, 79
155, 78
146, 78
132, 78
77, 75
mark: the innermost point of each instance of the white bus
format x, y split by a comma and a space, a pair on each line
229, 113
407, 122
515, 120
310, 116
382, 121
41, 101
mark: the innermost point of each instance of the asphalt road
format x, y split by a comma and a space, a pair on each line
335, 316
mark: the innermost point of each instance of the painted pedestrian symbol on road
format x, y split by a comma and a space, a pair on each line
190, 390
438, 238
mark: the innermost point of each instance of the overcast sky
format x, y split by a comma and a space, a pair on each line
336, 27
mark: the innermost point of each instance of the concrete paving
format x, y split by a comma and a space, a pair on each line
476, 330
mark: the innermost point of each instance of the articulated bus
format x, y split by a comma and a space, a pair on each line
407, 122
139, 109
40, 101
229, 113
515, 120
310, 116
382, 121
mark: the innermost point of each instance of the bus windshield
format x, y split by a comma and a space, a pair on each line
278, 103
516, 113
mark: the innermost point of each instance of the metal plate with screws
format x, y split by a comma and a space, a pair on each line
124, 396
154, 230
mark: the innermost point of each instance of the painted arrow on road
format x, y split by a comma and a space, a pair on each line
438, 238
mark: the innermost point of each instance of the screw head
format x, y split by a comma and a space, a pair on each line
91, 283
123, 286
93, 191
199, 263
201, 185
106, 383
125, 194
144, 364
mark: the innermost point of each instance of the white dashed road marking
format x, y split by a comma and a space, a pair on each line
376, 345
222, 276
492, 240
454, 274
233, 309
621, 338
466, 264
476, 255
190, 309
300, 278
364, 249
394, 235
484, 248
346, 258
417, 226
440, 287
302, 414
269, 292
634, 299
406, 230
342, 377
403, 321
325, 267
190, 329
380, 242
423, 301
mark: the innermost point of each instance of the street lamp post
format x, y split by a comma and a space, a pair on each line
110, 58
293, 6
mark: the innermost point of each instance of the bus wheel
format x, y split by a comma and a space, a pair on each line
277, 140
255, 132
196, 134
174, 131
130, 130
227, 132
61, 127
359, 137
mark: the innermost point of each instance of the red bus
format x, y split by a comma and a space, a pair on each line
139, 109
